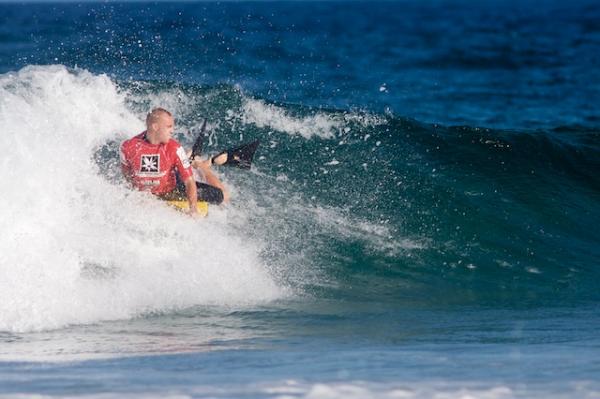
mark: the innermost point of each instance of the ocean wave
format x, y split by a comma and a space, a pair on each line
446, 213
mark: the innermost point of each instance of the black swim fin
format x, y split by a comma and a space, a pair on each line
197, 148
241, 156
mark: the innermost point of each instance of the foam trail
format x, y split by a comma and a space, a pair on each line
321, 125
59, 217
262, 114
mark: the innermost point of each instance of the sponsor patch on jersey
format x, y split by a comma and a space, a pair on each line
182, 157
152, 183
150, 164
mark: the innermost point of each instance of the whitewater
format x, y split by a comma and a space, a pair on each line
60, 214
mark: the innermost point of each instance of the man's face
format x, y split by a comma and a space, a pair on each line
164, 127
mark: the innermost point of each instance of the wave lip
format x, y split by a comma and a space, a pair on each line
322, 125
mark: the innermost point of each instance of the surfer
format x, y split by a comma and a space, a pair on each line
151, 159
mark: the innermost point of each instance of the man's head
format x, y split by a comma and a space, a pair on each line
159, 125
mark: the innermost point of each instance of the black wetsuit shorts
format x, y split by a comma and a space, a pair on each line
206, 192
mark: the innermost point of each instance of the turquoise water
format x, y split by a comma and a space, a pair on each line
420, 220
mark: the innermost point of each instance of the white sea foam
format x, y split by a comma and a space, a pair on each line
262, 115
435, 389
77, 249
426, 390
321, 125
378, 236
292, 389
174, 99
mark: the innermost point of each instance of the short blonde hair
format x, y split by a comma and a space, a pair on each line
156, 113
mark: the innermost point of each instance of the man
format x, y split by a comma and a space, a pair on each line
151, 160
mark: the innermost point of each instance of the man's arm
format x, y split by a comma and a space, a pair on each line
184, 169
192, 194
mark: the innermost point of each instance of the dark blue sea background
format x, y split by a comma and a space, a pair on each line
421, 219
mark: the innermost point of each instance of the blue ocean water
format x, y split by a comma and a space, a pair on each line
421, 219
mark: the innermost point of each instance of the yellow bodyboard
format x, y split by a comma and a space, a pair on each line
184, 207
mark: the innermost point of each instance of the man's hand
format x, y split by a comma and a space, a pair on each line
193, 212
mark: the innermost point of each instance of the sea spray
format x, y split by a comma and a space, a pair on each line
61, 218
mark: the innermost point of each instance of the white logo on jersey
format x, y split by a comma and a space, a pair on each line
182, 157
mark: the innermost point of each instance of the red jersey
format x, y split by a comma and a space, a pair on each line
152, 167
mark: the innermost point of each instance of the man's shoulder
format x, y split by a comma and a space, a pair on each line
173, 145
176, 150
133, 141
